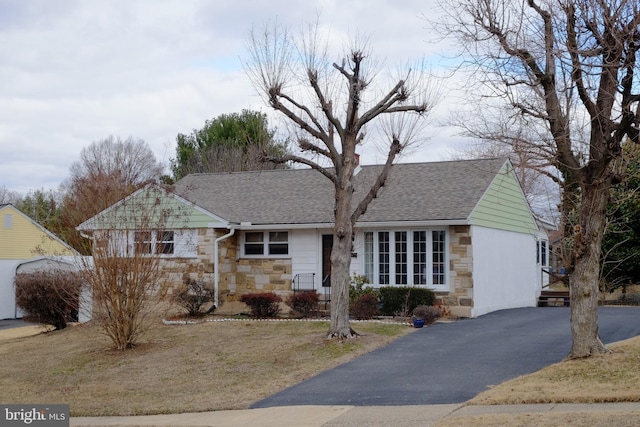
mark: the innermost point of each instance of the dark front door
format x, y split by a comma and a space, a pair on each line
327, 244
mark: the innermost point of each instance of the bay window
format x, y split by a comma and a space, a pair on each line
406, 258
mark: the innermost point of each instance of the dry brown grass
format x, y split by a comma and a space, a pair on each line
595, 419
188, 368
612, 377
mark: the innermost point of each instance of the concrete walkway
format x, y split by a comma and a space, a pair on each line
344, 416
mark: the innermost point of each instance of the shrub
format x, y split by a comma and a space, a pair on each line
400, 301
365, 307
358, 288
49, 297
304, 303
262, 304
428, 313
191, 296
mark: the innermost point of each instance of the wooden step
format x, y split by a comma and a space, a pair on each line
557, 297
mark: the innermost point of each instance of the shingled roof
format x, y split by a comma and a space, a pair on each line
414, 192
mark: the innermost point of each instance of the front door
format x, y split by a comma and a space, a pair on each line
327, 244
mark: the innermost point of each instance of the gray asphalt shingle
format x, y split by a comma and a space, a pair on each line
414, 192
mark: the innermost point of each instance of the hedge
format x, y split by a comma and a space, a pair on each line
398, 301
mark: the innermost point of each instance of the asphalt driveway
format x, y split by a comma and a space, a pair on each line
13, 323
452, 362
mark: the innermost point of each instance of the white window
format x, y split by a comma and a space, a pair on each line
542, 252
401, 257
438, 255
154, 242
383, 258
165, 242
254, 243
278, 243
8, 221
266, 243
142, 240
368, 256
420, 258
406, 258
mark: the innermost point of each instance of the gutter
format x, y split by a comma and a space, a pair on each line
216, 263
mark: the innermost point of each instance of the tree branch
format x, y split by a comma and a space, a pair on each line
274, 100
397, 94
327, 109
302, 160
306, 145
394, 149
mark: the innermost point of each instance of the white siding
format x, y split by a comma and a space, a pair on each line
357, 261
504, 270
7, 289
306, 253
186, 243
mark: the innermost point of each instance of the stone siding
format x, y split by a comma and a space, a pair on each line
460, 271
200, 268
263, 275
236, 276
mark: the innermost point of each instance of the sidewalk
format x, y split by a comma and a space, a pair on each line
344, 416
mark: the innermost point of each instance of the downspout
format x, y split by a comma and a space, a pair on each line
216, 263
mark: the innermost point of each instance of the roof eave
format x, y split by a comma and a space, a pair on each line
363, 224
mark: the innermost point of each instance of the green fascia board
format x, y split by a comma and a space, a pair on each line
504, 206
153, 207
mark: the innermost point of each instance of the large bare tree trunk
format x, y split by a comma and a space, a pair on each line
584, 279
340, 284
341, 250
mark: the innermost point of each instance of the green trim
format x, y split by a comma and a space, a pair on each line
504, 206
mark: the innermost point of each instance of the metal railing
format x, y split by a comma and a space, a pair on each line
303, 282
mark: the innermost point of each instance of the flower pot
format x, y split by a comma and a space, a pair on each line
418, 323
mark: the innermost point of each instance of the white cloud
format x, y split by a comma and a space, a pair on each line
74, 72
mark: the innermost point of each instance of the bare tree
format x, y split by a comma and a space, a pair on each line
107, 171
570, 68
9, 196
131, 160
330, 105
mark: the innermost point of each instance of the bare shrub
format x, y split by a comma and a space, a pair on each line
426, 312
262, 305
304, 303
127, 280
191, 296
50, 297
365, 307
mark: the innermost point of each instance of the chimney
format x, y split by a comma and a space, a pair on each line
357, 164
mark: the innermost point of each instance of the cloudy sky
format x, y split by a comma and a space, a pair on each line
74, 71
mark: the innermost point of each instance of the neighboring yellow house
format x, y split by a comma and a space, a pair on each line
23, 238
